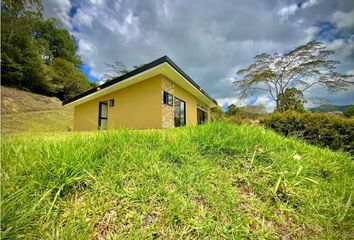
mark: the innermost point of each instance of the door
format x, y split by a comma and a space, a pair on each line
180, 112
102, 115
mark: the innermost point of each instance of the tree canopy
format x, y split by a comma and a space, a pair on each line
291, 99
302, 68
117, 69
231, 110
37, 54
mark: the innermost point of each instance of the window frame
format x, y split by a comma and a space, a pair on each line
204, 116
100, 118
111, 102
166, 99
184, 112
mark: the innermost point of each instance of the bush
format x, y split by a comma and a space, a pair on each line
349, 112
316, 128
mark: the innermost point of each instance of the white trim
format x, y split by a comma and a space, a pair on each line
136, 77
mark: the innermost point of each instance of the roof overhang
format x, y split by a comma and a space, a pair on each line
162, 66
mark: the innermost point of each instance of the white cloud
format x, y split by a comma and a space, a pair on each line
59, 9
343, 19
287, 10
209, 41
310, 33
83, 18
309, 3
266, 101
342, 47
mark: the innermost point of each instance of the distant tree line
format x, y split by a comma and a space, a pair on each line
37, 54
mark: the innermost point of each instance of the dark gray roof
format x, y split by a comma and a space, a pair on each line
137, 71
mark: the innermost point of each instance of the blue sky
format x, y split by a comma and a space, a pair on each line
208, 39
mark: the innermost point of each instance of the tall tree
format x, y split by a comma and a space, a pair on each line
37, 54
291, 99
304, 67
21, 63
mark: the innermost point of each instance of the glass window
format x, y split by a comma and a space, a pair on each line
167, 98
180, 112
202, 116
102, 115
111, 102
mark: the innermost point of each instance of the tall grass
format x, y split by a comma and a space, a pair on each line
217, 181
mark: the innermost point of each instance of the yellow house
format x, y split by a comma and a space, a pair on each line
156, 95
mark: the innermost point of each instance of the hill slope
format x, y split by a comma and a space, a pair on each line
28, 112
329, 108
213, 181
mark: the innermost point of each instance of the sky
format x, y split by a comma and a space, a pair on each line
209, 39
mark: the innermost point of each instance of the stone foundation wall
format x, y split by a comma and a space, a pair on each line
167, 111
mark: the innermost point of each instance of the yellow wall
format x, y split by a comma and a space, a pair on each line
138, 106
191, 104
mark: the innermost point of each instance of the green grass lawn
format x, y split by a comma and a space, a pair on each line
217, 181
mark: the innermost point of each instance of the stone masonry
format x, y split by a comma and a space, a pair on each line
167, 111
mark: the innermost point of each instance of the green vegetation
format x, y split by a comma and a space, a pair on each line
285, 77
28, 112
37, 54
291, 100
231, 110
349, 112
330, 108
219, 180
317, 128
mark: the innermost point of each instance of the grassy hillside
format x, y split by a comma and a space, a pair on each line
213, 181
28, 112
329, 108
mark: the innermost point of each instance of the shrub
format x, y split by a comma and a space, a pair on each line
349, 112
217, 113
316, 128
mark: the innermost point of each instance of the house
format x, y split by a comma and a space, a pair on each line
156, 95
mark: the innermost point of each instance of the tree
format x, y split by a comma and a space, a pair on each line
21, 63
67, 80
55, 41
304, 67
255, 109
349, 112
291, 99
217, 113
231, 110
37, 54
115, 70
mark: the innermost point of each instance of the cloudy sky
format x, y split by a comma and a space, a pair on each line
209, 39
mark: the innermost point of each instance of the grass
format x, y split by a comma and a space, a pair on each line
24, 111
217, 181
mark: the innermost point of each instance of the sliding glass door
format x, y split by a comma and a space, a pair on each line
180, 112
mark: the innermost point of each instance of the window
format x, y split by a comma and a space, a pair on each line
167, 98
202, 116
102, 115
111, 102
180, 112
